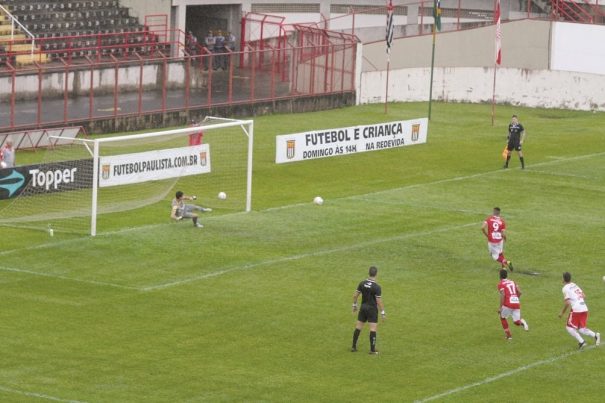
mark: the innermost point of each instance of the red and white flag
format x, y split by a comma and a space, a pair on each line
498, 33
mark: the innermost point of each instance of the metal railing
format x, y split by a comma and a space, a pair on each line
22, 28
166, 77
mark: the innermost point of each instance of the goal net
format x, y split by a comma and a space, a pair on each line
111, 183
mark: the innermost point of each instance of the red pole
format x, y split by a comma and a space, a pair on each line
230, 88
242, 43
91, 94
164, 83
39, 117
210, 64
494, 94
65, 92
272, 73
187, 82
13, 95
332, 68
116, 89
386, 95
140, 100
252, 79
342, 72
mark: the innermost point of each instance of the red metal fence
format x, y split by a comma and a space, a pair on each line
168, 72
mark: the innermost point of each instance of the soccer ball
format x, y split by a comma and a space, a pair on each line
318, 200
2, 164
222, 195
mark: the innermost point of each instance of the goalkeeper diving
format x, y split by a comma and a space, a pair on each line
181, 210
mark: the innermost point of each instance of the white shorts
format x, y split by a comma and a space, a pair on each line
495, 249
506, 312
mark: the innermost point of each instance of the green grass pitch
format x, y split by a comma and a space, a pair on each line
256, 307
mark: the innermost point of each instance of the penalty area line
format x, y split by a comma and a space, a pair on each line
501, 376
37, 395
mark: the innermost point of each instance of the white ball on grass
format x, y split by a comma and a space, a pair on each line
222, 195
318, 200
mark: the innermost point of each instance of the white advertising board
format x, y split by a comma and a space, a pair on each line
153, 165
350, 140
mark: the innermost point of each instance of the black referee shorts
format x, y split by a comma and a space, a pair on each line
368, 313
513, 145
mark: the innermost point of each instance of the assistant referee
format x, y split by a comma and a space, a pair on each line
371, 300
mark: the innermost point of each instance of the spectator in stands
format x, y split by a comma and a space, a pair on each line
219, 47
7, 154
191, 44
230, 41
209, 43
195, 139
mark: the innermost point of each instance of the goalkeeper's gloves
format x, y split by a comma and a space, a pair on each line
354, 307
383, 314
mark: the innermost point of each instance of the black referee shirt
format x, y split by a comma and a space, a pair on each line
369, 290
514, 132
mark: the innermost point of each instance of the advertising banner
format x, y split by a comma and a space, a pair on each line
349, 140
45, 178
153, 165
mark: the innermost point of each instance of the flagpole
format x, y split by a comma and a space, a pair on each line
432, 68
493, 94
386, 95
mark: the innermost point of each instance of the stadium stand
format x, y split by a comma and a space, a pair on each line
73, 29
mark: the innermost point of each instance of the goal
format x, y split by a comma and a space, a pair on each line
86, 186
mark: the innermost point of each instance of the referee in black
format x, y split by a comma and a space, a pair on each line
516, 136
371, 300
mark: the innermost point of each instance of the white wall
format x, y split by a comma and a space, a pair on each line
545, 64
532, 88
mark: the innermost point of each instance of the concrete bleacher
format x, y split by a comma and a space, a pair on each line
72, 29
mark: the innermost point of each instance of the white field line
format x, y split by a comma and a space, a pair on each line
37, 395
559, 174
501, 375
302, 256
59, 277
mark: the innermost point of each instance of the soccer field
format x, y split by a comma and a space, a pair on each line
257, 306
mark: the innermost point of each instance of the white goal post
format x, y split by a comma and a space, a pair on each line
209, 125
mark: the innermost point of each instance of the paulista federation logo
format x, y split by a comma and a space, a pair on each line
105, 171
203, 158
12, 182
415, 132
290, 149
